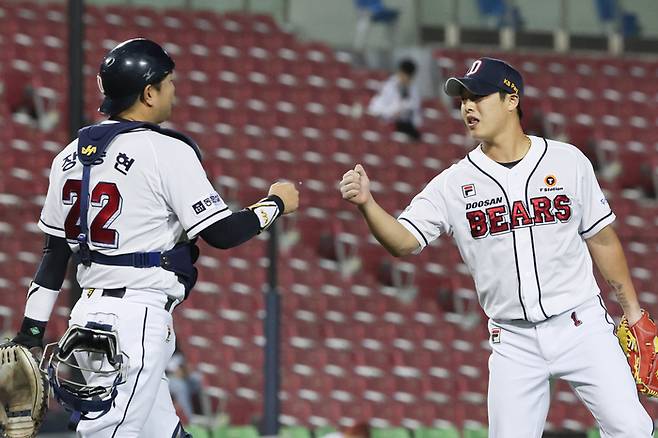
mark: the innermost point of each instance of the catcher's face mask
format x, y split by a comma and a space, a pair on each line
84, 369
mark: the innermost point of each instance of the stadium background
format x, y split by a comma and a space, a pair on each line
274, 89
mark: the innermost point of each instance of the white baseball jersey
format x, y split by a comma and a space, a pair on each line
148, 190
520, 231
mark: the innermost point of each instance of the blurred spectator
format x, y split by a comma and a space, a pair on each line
31, 105
398, 101
359, 430
19, 93
184, 385
374, 11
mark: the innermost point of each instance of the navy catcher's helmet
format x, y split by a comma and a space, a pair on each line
84, 369
127, 69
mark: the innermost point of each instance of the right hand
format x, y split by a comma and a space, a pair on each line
355, 186
288, 194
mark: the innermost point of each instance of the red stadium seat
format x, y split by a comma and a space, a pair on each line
263, 104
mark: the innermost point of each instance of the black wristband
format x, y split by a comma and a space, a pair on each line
31, 333
279, 203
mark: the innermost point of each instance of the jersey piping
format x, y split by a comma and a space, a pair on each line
532, 237
50, 226
204, 220
596, 223
416, 228
605, 310
132, 394
516, 256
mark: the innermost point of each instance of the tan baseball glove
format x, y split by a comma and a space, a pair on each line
640, 345
23, 392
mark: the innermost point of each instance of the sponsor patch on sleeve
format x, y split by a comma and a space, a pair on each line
213, 200
199, 207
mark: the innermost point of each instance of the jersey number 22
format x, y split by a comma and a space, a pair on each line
105, 196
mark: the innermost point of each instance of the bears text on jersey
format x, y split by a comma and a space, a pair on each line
497, 219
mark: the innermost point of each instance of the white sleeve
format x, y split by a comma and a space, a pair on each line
596, 210
53, 214
188, 191
426, 217
40, 302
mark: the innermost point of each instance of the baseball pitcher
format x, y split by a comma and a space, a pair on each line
528, 217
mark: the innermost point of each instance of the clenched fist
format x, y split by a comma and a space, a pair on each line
355, 186
288, 194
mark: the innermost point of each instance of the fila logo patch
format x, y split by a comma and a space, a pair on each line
468, 190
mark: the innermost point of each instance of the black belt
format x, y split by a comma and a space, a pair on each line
114, 293
121, 291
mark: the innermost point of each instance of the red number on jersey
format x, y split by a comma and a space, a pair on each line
105, 195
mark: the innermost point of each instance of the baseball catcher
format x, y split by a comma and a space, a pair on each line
23, 392
128, 216
640, 345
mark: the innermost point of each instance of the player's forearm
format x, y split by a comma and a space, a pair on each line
243, 225
608, 255
387, 230
43, 291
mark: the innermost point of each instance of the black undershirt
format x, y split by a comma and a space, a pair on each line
54, 261
510, 164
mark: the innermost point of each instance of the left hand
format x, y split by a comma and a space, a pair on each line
640, 346
633, 317
23, 393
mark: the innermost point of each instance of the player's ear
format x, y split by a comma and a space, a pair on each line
513, 102
147, 95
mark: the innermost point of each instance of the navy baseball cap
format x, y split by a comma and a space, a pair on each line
487, 76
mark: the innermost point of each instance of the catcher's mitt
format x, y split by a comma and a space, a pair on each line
640, 345
23, 392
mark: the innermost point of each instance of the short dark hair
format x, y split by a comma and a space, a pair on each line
519, 111
407, 66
